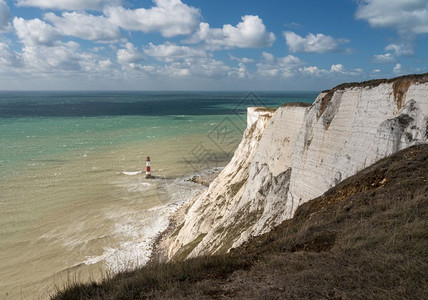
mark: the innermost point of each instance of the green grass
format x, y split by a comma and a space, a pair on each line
149, 280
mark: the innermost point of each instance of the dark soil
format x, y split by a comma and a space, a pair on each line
296, 104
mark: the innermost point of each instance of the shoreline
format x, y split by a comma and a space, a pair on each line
204, 178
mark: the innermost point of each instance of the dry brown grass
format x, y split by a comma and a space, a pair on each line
367, 238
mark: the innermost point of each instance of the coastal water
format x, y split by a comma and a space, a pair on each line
74, 203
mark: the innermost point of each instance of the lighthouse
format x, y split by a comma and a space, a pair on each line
148, 172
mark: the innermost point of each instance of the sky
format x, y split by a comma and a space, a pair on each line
271, 45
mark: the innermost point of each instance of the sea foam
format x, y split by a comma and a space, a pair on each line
137, 230
131, 173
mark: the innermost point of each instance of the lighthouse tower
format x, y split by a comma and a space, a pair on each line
148, 172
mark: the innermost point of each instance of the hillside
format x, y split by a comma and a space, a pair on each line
366, 238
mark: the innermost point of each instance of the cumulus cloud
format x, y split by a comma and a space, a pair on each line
8, 57
250, 33
241, 72
169, 17
400, 49
62, 58
35, 32
193, 67
397, 69
69, 4
335, 70
170, 52
390, 58
85, 26
386, 58
199, 67
410, 16
4, 16
244, 60
313, 71
271, 66
129, 55
318, 43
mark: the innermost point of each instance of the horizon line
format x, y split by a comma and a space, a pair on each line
173, 91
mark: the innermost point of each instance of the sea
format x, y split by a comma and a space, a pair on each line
74, 201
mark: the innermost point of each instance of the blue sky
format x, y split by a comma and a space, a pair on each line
284, 45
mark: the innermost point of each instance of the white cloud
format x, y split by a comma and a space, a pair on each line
406, 16
400, 49
335, 71
62, 58
169, 52
386, 58
337, 68
129, 55
241, 71
244, 60
250, 33
397, 69
69, 4
8, 57
169, 17
199, 67
35, 32
4, 16
318, 43
390, 58
313, 71
85, 26
193, 67
284, 67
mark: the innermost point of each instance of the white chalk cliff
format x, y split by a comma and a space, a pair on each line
295, 154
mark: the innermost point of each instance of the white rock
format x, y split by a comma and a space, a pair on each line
295, 155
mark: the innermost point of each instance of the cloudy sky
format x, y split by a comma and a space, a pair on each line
208, 45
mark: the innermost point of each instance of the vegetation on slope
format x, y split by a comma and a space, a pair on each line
364, 239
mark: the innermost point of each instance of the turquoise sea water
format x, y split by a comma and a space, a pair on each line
72, 196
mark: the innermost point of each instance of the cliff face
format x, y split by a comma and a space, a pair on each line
358, 126
297, 153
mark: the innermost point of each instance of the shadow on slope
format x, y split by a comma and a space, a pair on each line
364, 239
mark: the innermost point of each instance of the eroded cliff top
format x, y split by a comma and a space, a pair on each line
400, 86
412, 78
296, 104
265, 109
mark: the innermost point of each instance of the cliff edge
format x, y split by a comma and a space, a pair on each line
295, 154
363, 239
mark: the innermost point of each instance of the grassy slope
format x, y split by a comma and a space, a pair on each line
367, 238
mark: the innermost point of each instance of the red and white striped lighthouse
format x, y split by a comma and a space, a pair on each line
148, 172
